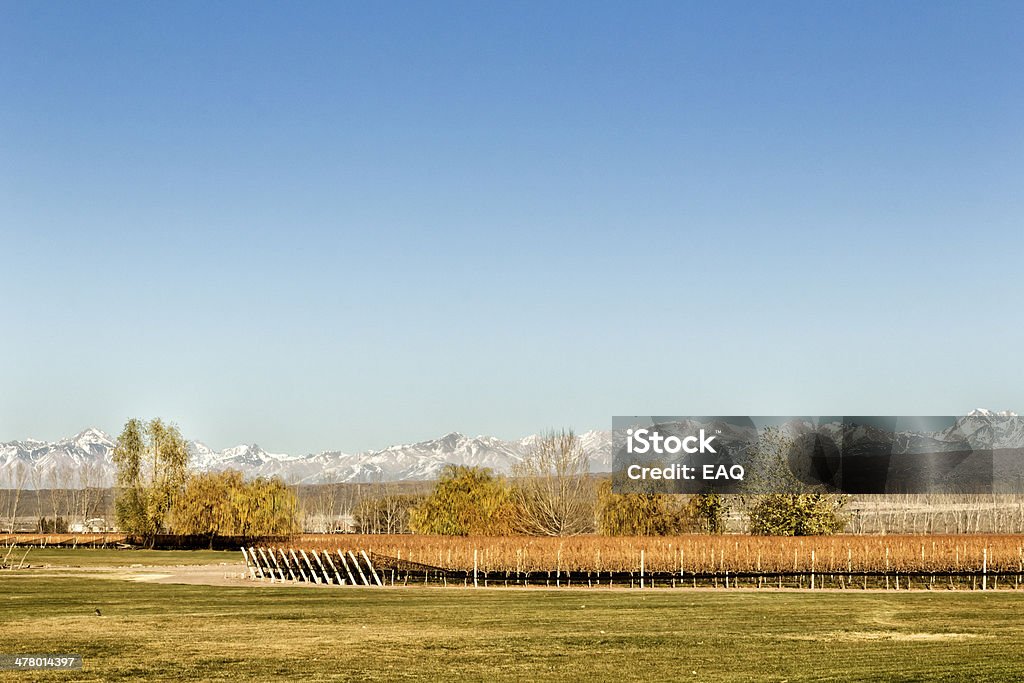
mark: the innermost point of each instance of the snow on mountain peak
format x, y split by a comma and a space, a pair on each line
985, 412
422, 460
93, 435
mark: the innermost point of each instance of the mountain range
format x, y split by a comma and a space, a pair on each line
86, 459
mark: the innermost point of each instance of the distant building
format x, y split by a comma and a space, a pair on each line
89, 526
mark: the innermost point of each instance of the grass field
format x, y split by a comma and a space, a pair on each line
259, 632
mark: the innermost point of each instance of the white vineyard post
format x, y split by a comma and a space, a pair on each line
347, 570
287, 564
558, 567
248, 566
812, 568
277, 565
358, 568
323, 569
259, 558
327, 555
291, 551
369, 565
312, 571
259, 565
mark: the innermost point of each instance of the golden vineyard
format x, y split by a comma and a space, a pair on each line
694, 553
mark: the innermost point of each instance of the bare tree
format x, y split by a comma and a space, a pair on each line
90, 482
36, 475
351, 497
320, 508
21, 472
553, 492
57, 494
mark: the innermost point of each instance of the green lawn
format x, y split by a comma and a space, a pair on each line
286, 633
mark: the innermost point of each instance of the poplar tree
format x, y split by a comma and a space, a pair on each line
152, 462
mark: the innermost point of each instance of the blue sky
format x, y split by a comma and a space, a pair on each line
346, 225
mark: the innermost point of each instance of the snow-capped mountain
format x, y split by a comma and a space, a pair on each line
86, 460
424, 460
982, 429
79, 461
985, 412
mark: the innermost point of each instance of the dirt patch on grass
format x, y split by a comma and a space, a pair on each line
148, 577
199, 575
220, 574
895, 636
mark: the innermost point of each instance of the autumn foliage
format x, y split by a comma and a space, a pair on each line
225, 504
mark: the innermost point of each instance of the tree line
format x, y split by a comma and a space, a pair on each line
550, 493
52, 499
156, 493
58, 500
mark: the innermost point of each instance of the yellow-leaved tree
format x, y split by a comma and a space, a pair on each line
152, 463
466, 501
218, 504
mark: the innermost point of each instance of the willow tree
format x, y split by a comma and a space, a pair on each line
218, 504
634, 514
152, 462
465, 500
206, 506
266, 507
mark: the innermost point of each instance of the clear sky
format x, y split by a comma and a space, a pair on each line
347, 225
